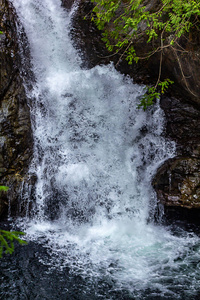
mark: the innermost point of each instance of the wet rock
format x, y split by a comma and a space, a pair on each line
67, 3
183, 125
15, 126
87, 38
177, 181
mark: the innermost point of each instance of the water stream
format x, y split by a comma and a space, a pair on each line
90, 231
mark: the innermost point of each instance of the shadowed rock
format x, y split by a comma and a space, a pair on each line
15, 126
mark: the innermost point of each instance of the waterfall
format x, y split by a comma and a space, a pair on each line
94, 151
94, 158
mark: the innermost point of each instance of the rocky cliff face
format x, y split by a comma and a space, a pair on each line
177, 182
15, 126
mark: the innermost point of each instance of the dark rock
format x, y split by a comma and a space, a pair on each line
67, 3
177, 181
87, 38
182, 125
15, 126
185, 218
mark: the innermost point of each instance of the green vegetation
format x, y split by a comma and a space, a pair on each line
125, 21
153, 93
4, 188
7, 238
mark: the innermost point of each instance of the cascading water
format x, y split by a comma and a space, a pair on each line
94, 157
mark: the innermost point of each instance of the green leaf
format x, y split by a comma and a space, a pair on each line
7, 239
4, 188
130, 20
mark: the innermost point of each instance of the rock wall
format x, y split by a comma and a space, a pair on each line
177, 181
15, 125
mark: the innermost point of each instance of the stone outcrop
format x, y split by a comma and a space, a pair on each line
15, 126
177, 182
87, 38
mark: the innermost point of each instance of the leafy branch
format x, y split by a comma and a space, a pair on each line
4, 188
7, 239
153, 93
125, 21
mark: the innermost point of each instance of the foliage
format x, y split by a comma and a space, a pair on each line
7, 239
3, 188
124, 21
153, 93
1, 32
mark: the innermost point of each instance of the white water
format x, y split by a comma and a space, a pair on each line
94, 156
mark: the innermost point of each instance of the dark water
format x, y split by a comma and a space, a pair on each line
31, 274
